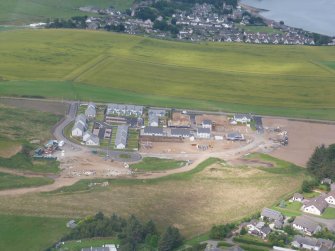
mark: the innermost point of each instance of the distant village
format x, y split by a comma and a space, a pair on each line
200, 23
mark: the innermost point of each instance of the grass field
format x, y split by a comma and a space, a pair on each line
156, 164
291, 209
8, 181
88, 65
217, 193
30, 233
77, 246
329, 213
26, 11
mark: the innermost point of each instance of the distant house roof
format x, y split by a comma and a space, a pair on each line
271, 214
153, 119
306, 240
157, 112
81, 117
153, 130
265, 230
203, 130
121, 135
180, 132
279, 224
78, 126
234, 136
207, 122
311, 226
326, 181
94, 139
318, 202
298, 196
90, 110
240, 116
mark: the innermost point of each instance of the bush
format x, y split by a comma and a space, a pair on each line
220, 232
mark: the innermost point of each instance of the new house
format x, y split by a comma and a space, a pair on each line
157, 112
153, 131
121, 137
93, 140
79, 126
305, 225
124, 110
234, 136
315, 206
207, 124
90, 111
180, 132
242, 118
153, 120
203, 133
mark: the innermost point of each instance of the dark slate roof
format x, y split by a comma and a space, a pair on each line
271, 214
121, 135
298, 195
266, 230
306, 240
234, 135
153, 130
180, 132
311, 226
207, 122
241, 116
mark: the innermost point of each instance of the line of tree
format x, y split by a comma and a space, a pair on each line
322, 162
132, 233
77, 22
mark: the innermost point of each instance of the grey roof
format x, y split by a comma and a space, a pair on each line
241, 116
80, 126
266, 230
318, 202
121, 135
306, 240
95, 249
326, 243
207, 122
126, 109
298, 195
153, 118
279, 224
235, 248
157, 112
271, 214
327, 181
153, 130
311, 226
234, 135
94, 138
180, 132
90, 110
204, 130
81, 117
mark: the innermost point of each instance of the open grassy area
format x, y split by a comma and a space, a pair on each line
8, 148
291, 209
88, 65
217, 193
9, 181
157, 164
329, 213
25, 11
30, 233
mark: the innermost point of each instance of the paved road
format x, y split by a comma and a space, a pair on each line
329, 223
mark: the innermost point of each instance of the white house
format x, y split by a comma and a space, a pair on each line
308, 243
93, 141
204, 133
86, 135
305, 225
297, 197
315, 206
153, 120
78, 130
121, 137
242, 118
90, 111
330, 198
258, 228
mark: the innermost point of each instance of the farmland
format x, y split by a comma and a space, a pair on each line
33, 233
216, 191
278, 80
25, 11
9, 181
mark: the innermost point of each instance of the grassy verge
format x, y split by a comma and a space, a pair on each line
329, 213
291, 209
8, 181
157, 164
30, 233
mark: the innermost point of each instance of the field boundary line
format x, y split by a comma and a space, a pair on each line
78, 72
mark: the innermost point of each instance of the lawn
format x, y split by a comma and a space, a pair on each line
9, 181
329, 213
279, 80
30, 233
157, 164
216, 192
78, 245
291, 209
25, 11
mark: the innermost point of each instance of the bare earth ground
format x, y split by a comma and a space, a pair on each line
10, 150
303, 138
38, 105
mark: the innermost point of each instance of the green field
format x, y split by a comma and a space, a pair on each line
78, 245
216, 192
291, 209
27, 11
329, 213
156, 164
30, 233
9, 181
277, 80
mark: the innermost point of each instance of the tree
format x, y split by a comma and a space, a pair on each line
220, 232
243, 231
322, 162
146, 13
170, 240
